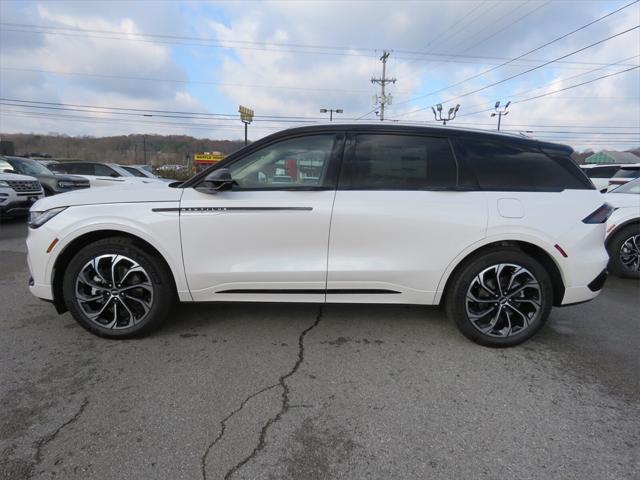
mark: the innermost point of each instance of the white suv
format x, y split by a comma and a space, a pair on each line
18, 193
497, 228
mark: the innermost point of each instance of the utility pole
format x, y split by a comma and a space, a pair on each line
383, 99
500, 112
246, 117
331, 110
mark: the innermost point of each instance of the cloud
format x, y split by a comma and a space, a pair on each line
289, 80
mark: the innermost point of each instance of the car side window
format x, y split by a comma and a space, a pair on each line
103, 170
296, 162
78, 169
134, 171
503, 165
601, 172
399, 162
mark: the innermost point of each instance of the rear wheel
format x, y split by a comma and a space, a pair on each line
115, 289
624, 252
500, 298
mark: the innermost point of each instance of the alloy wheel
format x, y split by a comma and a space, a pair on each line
113, 291
503, 300
630, 253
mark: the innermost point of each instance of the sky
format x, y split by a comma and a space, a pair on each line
109, 68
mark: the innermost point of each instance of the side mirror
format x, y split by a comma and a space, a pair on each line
114, 175
217, 181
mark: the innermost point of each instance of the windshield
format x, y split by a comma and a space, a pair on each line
630, 187
26, 166
134, 171
121, 171
628, 172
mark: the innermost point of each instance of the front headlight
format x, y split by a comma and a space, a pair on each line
65, 184
3, 184
37, 219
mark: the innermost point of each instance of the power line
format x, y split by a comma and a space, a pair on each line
454, 24
171, 80
453, 32
233, 116
530, 52
537, 67
523, 93
557, 91
215, 43
511, 24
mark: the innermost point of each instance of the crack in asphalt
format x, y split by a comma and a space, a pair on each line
285, 406
44, 441
223, 427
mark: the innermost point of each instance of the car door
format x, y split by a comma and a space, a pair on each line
81, 169
265, 239
399, 219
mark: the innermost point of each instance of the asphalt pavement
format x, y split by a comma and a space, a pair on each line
250, 391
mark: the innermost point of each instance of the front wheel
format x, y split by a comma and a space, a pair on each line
624, 252
500, 298
115, 289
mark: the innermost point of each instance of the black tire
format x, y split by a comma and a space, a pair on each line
163, 292
614, 246
456, 298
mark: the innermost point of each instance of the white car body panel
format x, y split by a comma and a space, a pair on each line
255, 245
102, 181
627, 207
372, 244
313, 245
399, 241
103, 209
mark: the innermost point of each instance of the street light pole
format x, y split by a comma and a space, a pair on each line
500, 112
331, 110
450, 116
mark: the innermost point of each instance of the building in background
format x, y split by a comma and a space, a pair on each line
608, 156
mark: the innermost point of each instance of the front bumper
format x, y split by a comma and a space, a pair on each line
13, 204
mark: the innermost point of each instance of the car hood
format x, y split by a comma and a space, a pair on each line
622, 200
64, 177
16, 176
139, 193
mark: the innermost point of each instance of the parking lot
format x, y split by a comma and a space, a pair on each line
315, 392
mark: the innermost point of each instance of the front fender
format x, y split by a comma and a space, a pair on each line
159, 229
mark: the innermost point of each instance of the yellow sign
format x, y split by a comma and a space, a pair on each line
208, 157
246, 114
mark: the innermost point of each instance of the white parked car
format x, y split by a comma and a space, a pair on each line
498, 228
625, 174
101, 174
18, 193
143, 171
602, 175
623, 230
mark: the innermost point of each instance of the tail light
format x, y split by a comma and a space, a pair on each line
600, 215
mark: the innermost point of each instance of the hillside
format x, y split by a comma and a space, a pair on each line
125, 149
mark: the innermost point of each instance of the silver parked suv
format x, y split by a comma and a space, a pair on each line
18, 193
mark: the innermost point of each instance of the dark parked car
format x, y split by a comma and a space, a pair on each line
51, 182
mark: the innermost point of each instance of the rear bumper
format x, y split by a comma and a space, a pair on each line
598, 283
585, 293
